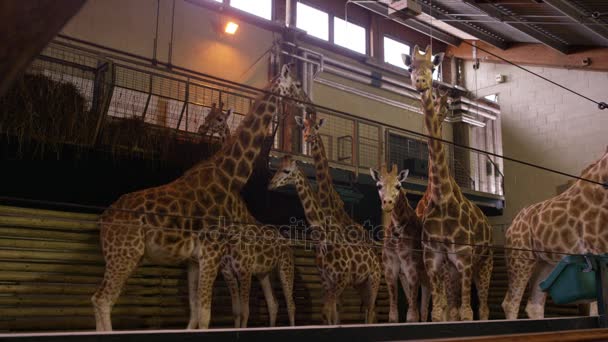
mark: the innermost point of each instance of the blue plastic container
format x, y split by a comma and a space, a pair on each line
572, 281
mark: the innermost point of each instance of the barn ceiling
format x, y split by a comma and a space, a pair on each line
564, 25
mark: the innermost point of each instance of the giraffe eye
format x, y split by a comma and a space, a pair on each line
286, 172
410, 69
398, 186
379, 186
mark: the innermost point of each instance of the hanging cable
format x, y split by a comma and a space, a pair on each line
601, 105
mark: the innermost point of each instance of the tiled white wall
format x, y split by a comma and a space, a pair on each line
544, 124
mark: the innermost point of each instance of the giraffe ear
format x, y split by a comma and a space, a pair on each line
407, 59
403, 175
321, 122
375, 174
438, 58
229, 112
285, 71
299, 121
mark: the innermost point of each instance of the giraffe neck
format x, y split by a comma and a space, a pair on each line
236, 159
440, 184
309, 200
329, 199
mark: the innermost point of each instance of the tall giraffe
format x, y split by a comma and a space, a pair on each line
340, 264
452, 288
572, 222
401, 250
329, 199
453, 227
216, 122
191, 220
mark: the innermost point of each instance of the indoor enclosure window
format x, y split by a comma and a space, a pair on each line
313, 21
350, 36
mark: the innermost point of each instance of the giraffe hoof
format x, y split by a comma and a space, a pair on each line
466, 314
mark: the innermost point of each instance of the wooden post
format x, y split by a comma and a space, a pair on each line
601, 281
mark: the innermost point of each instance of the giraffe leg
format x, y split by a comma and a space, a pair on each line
464, 263
271, 301
329, 303
193, 298
286, 274
390, 275
520, 265
411, 287
117, 271
233, 287
335, 314
208, 267
536, 300
482, 283
452, 291
373, 284
433, 263
245, 289
425, 300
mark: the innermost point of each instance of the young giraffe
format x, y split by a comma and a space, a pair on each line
573, 222
453, 227
452, 287
329, 199
216, 122
185, 221
401, 253
340, 264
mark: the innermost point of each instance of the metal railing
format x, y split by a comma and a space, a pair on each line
180, 102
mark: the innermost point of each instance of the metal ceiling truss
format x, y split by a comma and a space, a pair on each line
579, 16
382, 10
531, 30
473, 30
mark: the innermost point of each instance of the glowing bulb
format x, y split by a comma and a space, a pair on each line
231, 27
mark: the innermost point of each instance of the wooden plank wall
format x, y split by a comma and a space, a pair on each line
50, 265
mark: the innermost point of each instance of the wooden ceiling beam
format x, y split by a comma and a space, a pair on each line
26, 27
535, 54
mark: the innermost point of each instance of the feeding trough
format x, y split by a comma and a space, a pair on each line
573, 280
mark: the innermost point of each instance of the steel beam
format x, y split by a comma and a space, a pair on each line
525, 28
414, 24
493, 40
574, 13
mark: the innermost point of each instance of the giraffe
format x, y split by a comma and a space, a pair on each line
329, 199
452, 288
216, 122
402, 246
340, 264
453, 229
573, 222
184, 221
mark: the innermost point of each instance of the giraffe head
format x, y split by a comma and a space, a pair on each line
288, 87
310, 128
389, 185
421, 67
286, 174
216, 121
